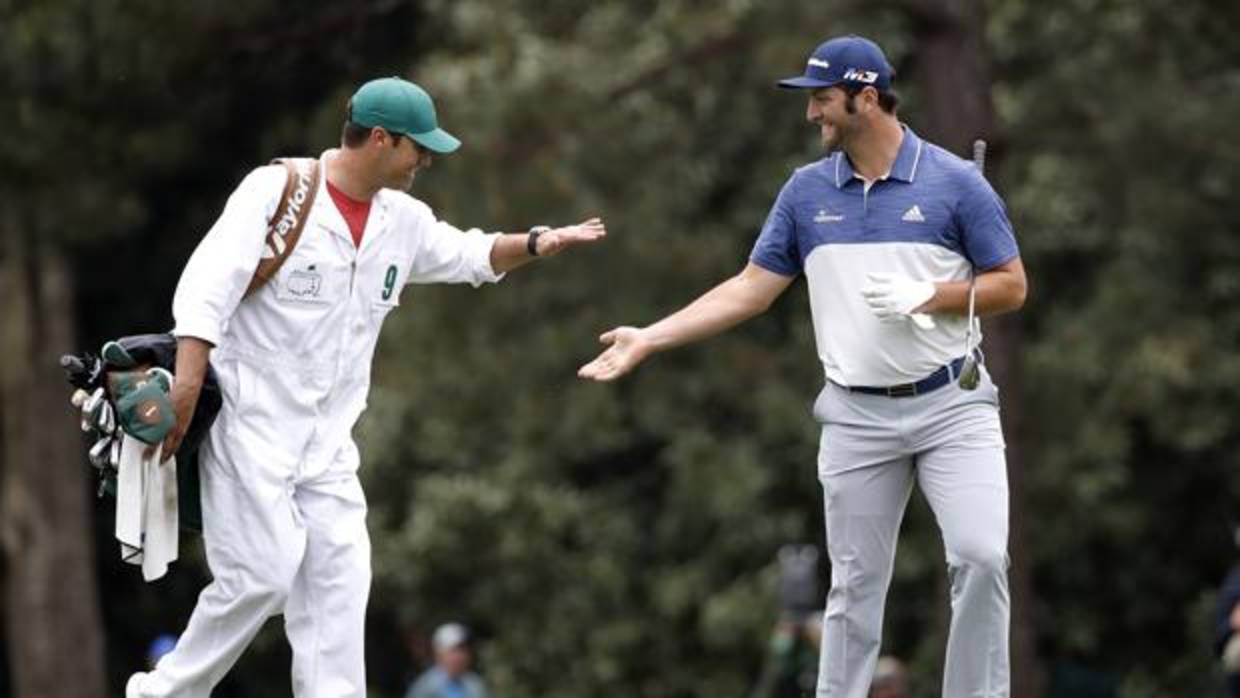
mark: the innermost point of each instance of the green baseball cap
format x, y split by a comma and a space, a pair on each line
401, 107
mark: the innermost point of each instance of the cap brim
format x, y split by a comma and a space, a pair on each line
437, 140
801, 82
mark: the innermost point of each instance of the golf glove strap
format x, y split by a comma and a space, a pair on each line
892, 296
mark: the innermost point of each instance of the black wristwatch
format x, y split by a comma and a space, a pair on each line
531, 240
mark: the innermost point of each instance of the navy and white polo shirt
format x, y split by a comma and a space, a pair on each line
932, 218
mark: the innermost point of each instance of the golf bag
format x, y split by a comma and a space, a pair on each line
104, 410
126, 387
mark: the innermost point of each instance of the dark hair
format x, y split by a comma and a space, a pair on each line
887, 100
354, 135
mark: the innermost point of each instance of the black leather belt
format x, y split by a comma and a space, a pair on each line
932, 382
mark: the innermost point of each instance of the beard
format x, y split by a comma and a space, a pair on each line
835, 135
832, 139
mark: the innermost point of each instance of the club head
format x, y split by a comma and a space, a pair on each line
100, 452
106, 419
79, 398
92, 402
970, 373
90, 409
114, 457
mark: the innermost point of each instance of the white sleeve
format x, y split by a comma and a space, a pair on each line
220, 269
445, 253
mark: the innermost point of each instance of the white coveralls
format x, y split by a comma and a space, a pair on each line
283, 510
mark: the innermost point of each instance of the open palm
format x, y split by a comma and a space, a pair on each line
629, 347
557, 240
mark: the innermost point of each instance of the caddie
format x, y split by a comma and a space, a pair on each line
283, 511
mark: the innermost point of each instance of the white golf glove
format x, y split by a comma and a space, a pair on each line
894, 296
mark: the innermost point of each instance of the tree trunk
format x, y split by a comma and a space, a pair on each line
51, 607
956, 108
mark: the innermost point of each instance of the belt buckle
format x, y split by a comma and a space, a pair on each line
902, 390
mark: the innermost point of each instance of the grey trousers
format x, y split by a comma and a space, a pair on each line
873, 449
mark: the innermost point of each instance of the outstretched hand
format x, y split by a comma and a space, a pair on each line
557, 240
629, 347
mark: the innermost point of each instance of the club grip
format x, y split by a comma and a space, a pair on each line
71, 363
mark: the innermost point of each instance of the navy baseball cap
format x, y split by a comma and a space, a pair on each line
844, 60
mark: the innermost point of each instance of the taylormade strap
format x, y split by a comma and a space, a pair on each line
284, 228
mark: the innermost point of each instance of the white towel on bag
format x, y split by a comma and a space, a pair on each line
146, 508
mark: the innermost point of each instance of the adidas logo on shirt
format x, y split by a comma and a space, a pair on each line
913, 215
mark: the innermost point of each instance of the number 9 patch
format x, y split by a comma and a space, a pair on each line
389, 282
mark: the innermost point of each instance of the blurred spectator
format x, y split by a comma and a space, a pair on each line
1227, 628
451, 677
791, 667
160, 646
890, 679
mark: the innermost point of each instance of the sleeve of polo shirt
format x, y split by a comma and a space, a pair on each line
776, 249
1228, 597
985, 229
221, 267
447, 254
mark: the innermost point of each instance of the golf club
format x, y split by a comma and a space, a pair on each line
89, 406
970, 370
106, 419
100, 452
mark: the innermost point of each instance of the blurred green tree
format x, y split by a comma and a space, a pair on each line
126, 125
621, 539
1121, 163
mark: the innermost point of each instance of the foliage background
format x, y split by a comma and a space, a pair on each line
620, 539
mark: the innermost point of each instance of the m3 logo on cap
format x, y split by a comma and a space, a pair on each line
855, 75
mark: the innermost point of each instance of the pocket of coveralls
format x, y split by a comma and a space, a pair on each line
311, 283
385, 293
230, 374
386, 297
245, 390
379, 310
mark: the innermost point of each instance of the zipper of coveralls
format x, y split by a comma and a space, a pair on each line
348, 324
349, 319
345, 327
340, 361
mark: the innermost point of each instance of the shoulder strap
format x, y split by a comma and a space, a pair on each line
284, 228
